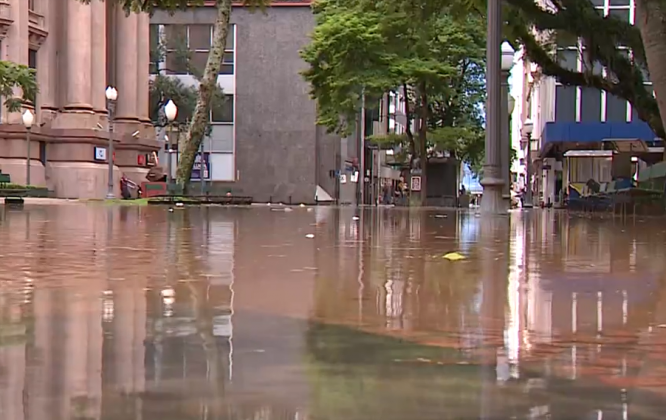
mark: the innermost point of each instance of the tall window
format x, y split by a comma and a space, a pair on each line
586, 104
187, 48
31, 5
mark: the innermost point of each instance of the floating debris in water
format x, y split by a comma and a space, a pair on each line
454, 256
179, 204
441, 216
309, 236
356, 218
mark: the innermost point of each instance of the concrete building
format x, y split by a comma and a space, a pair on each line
77, 50
266, 143
573, 124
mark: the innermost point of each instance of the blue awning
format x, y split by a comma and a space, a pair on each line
564, 136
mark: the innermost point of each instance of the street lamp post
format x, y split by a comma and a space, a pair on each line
111, 97
528, 127
171, 112
507, 104
492, 176
28, 119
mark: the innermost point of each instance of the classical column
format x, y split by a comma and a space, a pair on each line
98, 86
79, 56
126, 65
47, 62
143, 74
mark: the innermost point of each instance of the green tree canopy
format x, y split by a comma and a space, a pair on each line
363, 47
13, 76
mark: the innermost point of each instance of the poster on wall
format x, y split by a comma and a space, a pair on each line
200, 166
416, 183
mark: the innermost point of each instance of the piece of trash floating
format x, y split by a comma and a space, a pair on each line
454, 256
179, 204
170, 209
309, 236
302, 205
441, 216
661, 326
356, 218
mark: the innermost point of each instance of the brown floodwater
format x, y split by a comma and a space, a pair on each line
127, 313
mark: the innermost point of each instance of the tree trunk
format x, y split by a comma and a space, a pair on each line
408, 128
651, 20
207, 87
423, 138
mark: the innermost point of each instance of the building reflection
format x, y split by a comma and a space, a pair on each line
138, 313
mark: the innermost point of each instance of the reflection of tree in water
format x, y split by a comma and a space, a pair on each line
405, 286
209, 401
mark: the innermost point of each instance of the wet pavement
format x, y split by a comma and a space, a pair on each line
125, 313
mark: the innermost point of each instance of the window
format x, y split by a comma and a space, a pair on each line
32, 59
616, 109
565, 103
188, 46
155, 49
222, 110
31, 5
590, 105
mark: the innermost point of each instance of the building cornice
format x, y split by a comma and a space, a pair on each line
5, 17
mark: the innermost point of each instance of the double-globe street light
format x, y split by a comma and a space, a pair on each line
171, 112
111, 97
28, 118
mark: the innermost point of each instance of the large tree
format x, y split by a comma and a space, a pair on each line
199, 123
367, 48
630, 54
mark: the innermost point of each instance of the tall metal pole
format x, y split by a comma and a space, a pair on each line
505, 151
492, 181
361, 158
111, 108
379, 174
527, 203
170, 155
27, 157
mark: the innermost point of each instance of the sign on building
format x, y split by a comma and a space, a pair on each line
416, 183
100, 154
198, 167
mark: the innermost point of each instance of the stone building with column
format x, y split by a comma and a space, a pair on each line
265, 143
77, 50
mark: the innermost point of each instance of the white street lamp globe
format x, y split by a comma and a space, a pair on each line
28, 118
507, 56
528, 126
171, 110
111, 93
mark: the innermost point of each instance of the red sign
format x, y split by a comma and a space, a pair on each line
141, 160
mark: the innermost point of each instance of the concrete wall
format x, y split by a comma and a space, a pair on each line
280, 154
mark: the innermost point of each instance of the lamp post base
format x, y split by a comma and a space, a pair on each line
493, 201
110, 196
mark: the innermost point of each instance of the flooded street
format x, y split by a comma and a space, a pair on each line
127, 313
